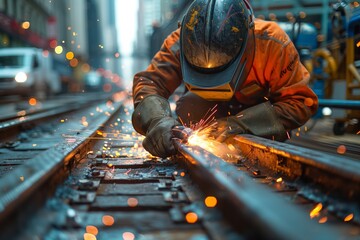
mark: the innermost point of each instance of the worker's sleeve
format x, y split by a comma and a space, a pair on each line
163, 75
292, 98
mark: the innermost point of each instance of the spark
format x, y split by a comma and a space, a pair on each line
316, 211
191, 217
201, 136
288, 135
108, 220
21, 113
128, 236
89, 236
323, 220
204, 122
32, 101
132, 202
202, 139
349, 217
92, 229
341, 149
210, 201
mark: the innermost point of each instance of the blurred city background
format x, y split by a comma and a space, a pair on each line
98, 45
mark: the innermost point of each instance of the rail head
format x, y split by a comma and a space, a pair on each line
248, 205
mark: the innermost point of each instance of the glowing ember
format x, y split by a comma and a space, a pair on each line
191, 217
32, 101
92, 229
25, 25
201, 138
279, 180
349, 217
323, 220
210, 201
132, 202
316, 211
128, 236
341, 149
21, 113
89, 236
108, 220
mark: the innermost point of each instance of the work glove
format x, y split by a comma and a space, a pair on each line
158, 139
259, 120
152, 118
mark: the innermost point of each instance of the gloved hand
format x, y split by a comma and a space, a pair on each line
259, 120
226, 127
158, 138
152, 118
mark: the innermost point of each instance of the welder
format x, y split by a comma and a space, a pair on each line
247, 69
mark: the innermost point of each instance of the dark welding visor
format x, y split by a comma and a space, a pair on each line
216, 47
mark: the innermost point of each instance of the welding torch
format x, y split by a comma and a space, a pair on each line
181, 132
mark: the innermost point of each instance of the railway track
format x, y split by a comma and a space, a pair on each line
91, 179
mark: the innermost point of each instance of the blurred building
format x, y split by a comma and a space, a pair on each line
107, 46
83, 29
76, 39
29, 23
154, 14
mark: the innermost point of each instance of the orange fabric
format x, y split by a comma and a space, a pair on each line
277, 75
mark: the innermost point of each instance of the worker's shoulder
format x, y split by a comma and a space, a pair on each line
269, 30
175, 34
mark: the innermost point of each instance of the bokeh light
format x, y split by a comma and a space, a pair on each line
210, 201
191, 217
92, 229
69, 55
32, 101
25, 25
108, 220
58, 49
89, 236
128, 236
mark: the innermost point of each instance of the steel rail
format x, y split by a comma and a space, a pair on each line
44, 113
251, 207
337, 174
33, 181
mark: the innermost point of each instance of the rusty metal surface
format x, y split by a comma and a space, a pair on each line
339, 165
338, 174
251, 205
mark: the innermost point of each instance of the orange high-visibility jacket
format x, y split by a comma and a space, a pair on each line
277, 75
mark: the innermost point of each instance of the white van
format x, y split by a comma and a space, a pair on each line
28, 72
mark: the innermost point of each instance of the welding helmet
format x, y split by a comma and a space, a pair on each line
217, 47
